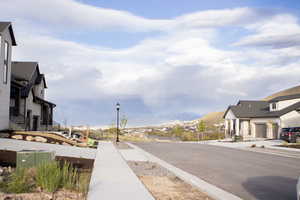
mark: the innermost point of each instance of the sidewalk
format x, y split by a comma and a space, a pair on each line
113, 179
272, 144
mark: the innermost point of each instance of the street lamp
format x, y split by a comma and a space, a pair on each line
118, 109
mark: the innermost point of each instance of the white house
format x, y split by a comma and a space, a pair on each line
262, 119
7, 40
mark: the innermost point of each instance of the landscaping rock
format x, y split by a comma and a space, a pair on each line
40, 139
17, 137
29, 138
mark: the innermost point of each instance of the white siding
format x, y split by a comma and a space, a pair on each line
230, 115
5, 88
283, 104
290, 119
38, 90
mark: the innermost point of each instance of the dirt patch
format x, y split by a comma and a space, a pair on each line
59, 195
163, 184
149, 169
122, 145
167, 188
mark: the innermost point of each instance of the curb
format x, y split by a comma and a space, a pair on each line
211, 190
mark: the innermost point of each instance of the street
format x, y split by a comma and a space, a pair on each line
249, 175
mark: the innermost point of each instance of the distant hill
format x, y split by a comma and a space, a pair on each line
213, 118
290, 91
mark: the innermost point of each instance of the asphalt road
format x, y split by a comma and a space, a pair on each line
249, 175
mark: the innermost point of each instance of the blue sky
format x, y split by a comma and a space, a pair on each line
162, 60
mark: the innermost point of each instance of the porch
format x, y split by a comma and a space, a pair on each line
252, 128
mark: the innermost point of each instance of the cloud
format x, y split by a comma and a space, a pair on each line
279, 31
184, 70
76, 16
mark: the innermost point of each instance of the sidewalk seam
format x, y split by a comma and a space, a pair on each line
211, 190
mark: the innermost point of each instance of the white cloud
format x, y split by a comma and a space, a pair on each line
181, 70
76, 16
280, 31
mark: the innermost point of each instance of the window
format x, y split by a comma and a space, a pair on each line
5, 70
273, 106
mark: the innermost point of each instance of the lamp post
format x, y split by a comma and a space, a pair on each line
118, 109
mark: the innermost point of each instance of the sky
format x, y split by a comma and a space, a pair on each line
161, 60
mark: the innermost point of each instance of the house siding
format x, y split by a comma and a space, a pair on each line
5, 88
38, 90
34, 107
283, 104
290, 119
268, 122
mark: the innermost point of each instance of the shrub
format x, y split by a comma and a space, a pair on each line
187, 136
49, 176
238, 138
19, 182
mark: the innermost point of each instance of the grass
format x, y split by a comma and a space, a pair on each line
19, 182
83, 183
69, 176
49, 177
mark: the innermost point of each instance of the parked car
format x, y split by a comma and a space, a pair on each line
290, 134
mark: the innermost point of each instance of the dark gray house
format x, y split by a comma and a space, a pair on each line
29, 110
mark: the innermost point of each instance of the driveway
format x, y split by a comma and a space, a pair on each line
249, 175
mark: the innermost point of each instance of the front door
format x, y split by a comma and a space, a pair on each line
35, 123
28, 120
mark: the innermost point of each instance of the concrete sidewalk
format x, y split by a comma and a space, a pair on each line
271, 144
113, 179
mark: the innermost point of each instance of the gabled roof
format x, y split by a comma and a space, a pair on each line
258, 109
39, 100
3, 26
24, 70
287, 97
29, 72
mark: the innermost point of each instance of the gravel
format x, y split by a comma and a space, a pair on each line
141, 168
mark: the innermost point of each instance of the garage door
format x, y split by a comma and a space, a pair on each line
261, 130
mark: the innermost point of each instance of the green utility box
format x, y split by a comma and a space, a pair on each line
31, 158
